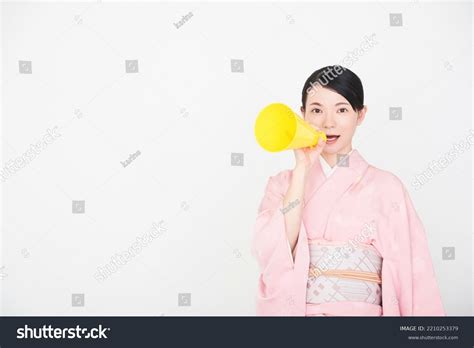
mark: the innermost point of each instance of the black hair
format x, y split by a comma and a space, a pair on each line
342, 81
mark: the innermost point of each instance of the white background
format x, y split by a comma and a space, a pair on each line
187, 112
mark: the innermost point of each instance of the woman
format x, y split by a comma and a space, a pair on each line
336, 236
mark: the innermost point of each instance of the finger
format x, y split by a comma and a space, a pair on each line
317, 151
314, 156
321, 144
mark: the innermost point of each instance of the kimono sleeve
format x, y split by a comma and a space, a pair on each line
419, 292
270, 245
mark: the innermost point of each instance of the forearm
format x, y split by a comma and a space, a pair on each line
293, 205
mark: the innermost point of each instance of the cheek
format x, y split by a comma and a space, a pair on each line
348, 125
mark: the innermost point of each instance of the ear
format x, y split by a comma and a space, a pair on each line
361, 115
302, 111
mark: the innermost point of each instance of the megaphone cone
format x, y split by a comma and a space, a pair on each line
278, 128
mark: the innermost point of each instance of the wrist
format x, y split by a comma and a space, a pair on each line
300, 167
301, 170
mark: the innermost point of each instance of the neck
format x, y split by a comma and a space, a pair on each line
331, 158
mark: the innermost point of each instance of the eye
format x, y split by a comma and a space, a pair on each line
316, 111
344, 109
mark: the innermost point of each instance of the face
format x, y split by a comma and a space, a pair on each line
331, 113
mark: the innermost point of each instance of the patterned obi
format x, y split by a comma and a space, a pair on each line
344, 271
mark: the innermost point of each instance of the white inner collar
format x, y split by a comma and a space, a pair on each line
326, 167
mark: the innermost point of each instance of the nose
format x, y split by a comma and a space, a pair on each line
328, 122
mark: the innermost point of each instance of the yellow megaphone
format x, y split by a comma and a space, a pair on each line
278, 128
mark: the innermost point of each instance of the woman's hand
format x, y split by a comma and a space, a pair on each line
305, 157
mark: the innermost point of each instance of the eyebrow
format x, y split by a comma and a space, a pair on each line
340, 103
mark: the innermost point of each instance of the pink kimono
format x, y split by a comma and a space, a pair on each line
338, 210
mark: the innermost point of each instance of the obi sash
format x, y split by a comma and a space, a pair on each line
344, 273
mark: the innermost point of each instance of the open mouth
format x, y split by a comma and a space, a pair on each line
331, 139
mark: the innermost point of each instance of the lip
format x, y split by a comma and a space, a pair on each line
331, 138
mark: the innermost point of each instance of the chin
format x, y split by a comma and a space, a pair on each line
329, 150
334, 150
